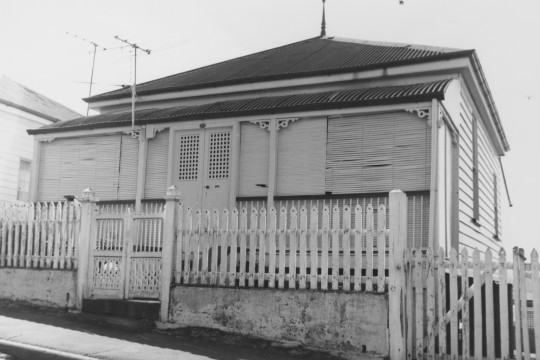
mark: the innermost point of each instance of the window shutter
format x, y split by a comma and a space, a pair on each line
377, 153
98, 164
129, 164
157, 166
254, 145
301, 158
70, 165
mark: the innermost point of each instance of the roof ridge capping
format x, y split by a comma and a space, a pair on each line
394, 44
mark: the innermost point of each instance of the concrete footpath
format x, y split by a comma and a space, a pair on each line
28, 332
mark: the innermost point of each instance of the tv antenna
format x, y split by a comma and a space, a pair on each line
135, 47
95, 45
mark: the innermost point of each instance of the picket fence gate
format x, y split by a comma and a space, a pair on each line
458, 306
40, 235
285, 249
125, 251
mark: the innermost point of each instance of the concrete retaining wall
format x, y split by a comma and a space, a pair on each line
353, 325
39, 286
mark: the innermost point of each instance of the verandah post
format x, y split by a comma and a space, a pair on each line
396, 288
85, 239
169, 233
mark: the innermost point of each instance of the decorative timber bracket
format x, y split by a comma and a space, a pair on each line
281, 123
426, 113
263, 124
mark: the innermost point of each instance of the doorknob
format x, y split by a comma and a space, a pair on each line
207, 187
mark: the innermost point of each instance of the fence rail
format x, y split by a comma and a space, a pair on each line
286, 248
40, 235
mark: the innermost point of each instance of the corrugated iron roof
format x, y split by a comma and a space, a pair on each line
16, 95
262, 105
310, 57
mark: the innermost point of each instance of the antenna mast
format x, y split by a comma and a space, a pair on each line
133, 87
93, 64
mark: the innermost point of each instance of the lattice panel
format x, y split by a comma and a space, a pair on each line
219, 154
107, 272
110, 235
189, 157
145, 277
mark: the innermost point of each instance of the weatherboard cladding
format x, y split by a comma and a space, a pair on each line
262, 105
18, 96
310, 57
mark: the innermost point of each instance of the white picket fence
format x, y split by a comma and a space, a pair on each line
471, 307
41, 235
288, 248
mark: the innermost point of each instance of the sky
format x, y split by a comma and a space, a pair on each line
42, 47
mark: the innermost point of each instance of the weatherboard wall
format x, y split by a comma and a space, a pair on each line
15, 144
483, 233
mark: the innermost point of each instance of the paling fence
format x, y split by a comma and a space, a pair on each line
40, 235
326, 248
467, 305
471, 305
417, 209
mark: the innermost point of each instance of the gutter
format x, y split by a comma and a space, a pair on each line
28, 110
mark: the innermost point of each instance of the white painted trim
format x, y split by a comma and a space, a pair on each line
433, 196
141, 170
235, 165
272, 161
172, 144
85, 132
196, 124
34, 179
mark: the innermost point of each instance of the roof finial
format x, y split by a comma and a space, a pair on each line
323, 25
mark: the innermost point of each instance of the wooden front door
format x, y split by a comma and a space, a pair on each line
202, 160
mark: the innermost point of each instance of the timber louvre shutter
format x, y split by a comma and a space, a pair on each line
301, 157
254, 159
377, 153
70, 165
129, 164
157, 166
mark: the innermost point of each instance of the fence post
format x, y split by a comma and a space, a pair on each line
85, 239
396, 289
169, 232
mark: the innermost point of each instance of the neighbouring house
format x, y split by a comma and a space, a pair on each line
325, 120
22, 109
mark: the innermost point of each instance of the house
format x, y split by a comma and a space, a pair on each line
21, 109
321, 121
